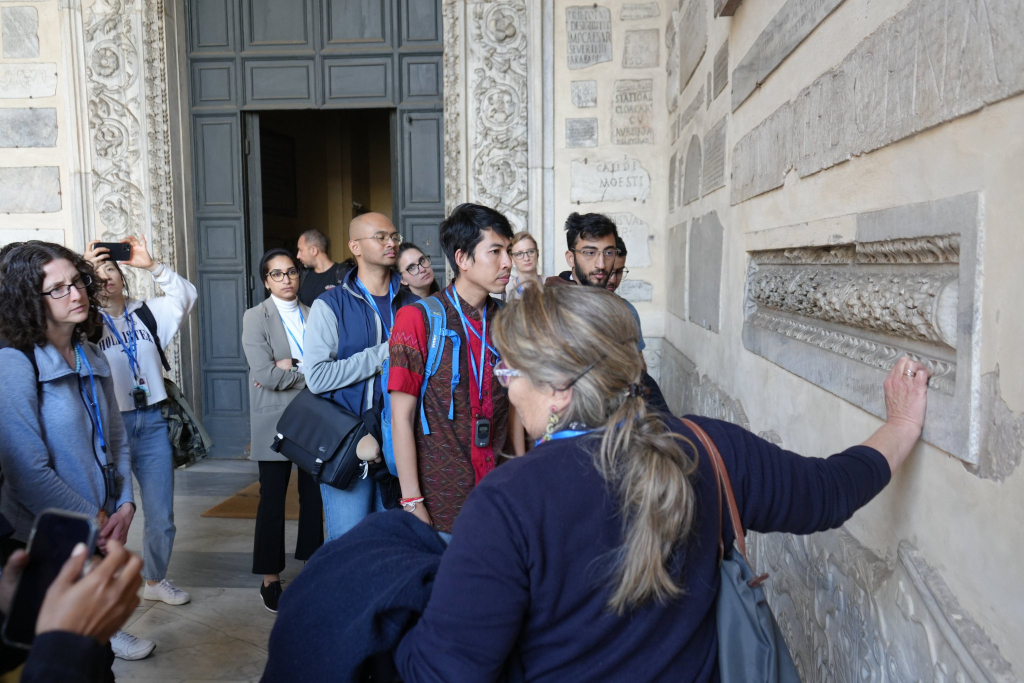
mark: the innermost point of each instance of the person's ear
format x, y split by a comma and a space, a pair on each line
463, 260
570, 258
560, 399
403, 279
355, 248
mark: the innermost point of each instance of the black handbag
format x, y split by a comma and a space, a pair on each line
320, 437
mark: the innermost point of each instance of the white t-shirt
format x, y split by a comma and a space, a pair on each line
169, 311
294, 325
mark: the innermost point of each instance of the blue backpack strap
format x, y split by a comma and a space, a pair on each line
437, 323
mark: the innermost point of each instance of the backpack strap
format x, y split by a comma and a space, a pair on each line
149, 320
724, 485
437, 321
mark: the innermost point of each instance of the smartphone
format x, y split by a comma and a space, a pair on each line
54, 535
119, 251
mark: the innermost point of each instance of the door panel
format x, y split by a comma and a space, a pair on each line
278, 24
279, 83
218, 177
424, 232
421, 24
422, 162
357, 23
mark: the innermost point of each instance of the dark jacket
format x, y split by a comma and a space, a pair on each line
60, 657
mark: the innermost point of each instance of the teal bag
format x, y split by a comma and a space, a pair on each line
750, 646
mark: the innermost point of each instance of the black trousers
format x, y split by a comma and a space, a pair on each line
268, 545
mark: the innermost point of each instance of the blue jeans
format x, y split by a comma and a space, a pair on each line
153, 467
343, 509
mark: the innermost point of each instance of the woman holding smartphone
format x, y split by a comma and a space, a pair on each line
134, 352
273, 341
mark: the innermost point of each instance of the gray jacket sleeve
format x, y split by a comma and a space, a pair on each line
324, 371
260, 356
24, 456
117, 444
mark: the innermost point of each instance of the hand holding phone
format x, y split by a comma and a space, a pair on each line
119, 251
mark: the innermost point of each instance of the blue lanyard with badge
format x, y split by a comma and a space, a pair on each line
109, 473
373, 303
140, 390
481, 424
291, 334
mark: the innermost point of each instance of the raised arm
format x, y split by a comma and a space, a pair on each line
171, 309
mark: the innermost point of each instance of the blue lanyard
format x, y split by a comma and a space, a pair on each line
80, 355
484, 346
373, 302
131, 347
564, 434
292, 334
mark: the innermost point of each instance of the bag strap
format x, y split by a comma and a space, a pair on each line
723, 484
437, 321
149, 320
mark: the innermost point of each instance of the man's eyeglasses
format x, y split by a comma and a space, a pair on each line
61, 291
383, 238
591, 254
278, 275
504, 373
415, 268
520, 255
621, 272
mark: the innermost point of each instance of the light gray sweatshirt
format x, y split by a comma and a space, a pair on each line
46, 448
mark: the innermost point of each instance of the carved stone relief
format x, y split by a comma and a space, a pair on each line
672, 62
636, 234
632, 11
608, 180
21, 80
933, 62
584, 93
714, 158
641, 50
721, 69
688, 392
693, 40
632, 112
588, 30
901, 288
672, 182
691, 179
454, 114
691, 111
581, 132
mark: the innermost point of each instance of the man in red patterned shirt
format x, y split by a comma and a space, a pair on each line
467, 419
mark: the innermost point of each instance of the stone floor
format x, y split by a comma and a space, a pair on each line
222, 634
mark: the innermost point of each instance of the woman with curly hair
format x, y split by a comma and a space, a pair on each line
62, 441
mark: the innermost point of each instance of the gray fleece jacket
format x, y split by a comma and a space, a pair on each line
46, 449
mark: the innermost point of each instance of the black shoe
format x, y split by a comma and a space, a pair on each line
271, 595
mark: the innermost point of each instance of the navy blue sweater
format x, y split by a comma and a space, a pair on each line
534, 545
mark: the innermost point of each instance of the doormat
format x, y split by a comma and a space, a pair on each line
243, 504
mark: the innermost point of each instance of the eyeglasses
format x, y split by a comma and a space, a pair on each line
591, 254
504, 373
278, 275
383, 238
61, 291
520, 255
621, 272
415, 268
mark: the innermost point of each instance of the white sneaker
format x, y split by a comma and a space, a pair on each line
127, 646
164, 590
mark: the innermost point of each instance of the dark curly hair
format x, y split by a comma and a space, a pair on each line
23, 313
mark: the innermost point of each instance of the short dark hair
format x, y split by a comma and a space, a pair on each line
315, 238
23, 313
591, 226
272, 254
464, 227
620, 244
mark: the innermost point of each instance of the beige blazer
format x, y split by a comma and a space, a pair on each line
265, 341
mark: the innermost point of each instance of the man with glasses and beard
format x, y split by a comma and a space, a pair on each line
346, 344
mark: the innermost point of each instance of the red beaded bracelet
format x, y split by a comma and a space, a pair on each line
409, 501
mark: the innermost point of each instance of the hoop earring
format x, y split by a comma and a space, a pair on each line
553, 420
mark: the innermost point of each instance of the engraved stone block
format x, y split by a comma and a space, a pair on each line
931, 63
693, 40
790, 26
672, 182
584, 93
637, 236
708, 91
676, 276
8, 236
588, 35
641, 51
20, 31
633, 112
691, 178
721, 69
635, 290
28, 127
690, 393
22, 81
727, 8
691, 110
581, 132
608, 181
680, 174
672, 63
632, 11
30, 189
705, 266
714, 158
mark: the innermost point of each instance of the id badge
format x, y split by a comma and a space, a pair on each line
482, 432
140, 383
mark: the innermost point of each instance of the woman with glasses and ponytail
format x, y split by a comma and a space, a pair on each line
416, 271
133, 336
595, 556
274, 340
62, 441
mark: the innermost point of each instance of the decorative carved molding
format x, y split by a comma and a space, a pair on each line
453, 105
496, 55
942, 249
848, 614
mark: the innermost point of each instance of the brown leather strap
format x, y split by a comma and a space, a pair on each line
724, 484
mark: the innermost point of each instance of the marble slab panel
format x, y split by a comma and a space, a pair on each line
642, 49
584, 93
9, 235
693, 40
691, 110
675, 281
721, 69
714, 157
636, 290
581, 132
727, 8
632, 11
19, 27
931, 63
19, 80
28, 127
705, 266
596, 180
588, 35
636, 233
672, 181
633, 112
791, 25
691, 177
30, 189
